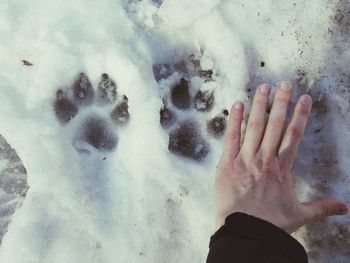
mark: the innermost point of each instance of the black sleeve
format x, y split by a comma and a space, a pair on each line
247, 239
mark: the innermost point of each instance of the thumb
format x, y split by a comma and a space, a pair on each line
323, 207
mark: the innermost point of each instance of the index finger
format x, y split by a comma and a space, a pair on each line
233, 131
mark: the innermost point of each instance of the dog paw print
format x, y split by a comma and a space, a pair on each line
107, 110
188, 94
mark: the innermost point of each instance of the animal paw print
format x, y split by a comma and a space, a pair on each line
96, 130
188, 98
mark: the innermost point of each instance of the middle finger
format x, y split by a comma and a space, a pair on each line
277, 119
256, 123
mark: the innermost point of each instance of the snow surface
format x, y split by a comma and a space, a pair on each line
142, 203
13, 184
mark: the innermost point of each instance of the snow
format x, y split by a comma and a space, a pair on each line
13, 184
141, 202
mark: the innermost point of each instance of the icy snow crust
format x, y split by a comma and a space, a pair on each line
140, 202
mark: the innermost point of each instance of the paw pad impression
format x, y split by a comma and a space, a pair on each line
95, 130
182, 104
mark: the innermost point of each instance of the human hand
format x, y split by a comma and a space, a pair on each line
255, 177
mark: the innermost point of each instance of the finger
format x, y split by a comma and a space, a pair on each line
320, 208
256, 123
295, 131
233, 131
276, 119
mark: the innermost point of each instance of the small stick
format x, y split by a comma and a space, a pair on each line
26, 63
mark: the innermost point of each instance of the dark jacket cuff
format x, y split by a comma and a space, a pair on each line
266, 232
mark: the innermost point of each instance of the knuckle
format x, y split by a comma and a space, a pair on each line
234, 114
236, 117
277, 123
284, 98
233, 136
267, 164
261, 100
325, 210
295, 132
303, 111
255, 125
238, 163
264, 164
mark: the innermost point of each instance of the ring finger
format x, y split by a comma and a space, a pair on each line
290, 142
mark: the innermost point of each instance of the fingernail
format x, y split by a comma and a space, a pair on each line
238, 105
306, 100
342, 210
264, 89
286, 86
